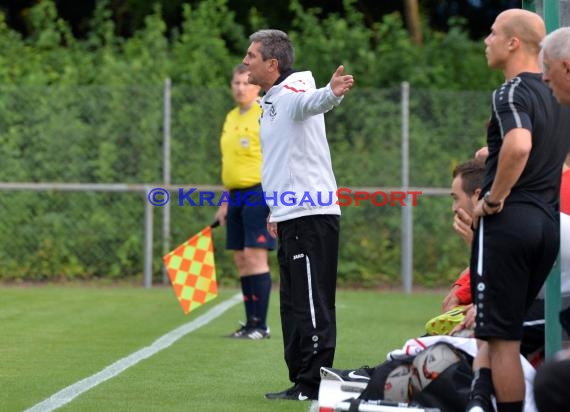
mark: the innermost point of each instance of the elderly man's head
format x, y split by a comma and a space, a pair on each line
556, 63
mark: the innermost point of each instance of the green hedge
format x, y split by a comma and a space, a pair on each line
90, 111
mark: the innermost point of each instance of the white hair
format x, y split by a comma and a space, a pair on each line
557, 44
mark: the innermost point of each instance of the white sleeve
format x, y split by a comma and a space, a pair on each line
565, 254
311, 102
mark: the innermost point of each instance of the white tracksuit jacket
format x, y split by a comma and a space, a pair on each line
296, 174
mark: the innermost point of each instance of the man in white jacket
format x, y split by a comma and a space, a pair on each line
300, 189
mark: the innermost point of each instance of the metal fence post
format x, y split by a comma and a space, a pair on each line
148, 209
407, 258
166, 171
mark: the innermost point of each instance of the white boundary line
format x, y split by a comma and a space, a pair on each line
66, 395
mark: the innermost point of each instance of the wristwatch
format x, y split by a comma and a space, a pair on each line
487, 200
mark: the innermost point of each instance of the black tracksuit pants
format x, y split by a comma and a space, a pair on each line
308, 260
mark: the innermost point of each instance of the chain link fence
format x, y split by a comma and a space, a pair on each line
116, 135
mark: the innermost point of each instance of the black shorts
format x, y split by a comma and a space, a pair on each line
513, 252
247, 220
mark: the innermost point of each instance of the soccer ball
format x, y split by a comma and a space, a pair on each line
397, 385
430, 363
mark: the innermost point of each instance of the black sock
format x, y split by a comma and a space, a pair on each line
260, 291
246, 290
510, 406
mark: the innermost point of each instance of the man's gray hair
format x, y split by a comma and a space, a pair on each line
557, 44
275, 44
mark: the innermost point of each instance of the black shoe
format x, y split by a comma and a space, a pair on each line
238, 334
479, 404
294, 393
256, 334
280, 395
249, 331
361, 374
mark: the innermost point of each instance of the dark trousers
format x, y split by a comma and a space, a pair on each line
308, 259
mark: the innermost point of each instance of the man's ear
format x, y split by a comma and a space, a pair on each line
514, 43
566, 66
476, 193
273, 65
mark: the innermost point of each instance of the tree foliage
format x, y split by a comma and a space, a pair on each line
210, 42
90, 110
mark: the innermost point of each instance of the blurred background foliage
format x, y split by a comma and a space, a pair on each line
129, 15
209, 40
87, 108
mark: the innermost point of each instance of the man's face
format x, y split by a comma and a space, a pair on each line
243, 91
556, 73
462, 200
258, 68
497, 44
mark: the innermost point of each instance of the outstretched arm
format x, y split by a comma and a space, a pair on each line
321, 100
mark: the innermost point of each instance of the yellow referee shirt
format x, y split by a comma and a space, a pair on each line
241, 151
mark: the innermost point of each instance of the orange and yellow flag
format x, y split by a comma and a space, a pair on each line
192, 271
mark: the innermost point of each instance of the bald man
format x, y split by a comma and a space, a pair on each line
517, 216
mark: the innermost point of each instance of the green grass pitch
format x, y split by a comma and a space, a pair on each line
54, 336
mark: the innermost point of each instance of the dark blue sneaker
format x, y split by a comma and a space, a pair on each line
240, 332
295, 393
256, 334
361, 374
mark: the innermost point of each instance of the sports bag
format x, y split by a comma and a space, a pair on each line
438, 377
441, 378
390, 381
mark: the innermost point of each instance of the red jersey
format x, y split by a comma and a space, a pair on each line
463, 292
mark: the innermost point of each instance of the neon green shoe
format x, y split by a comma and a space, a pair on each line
444, 323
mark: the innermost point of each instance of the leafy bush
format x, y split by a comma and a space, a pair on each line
91, 111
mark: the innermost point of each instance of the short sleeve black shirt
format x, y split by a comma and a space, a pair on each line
526, 102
